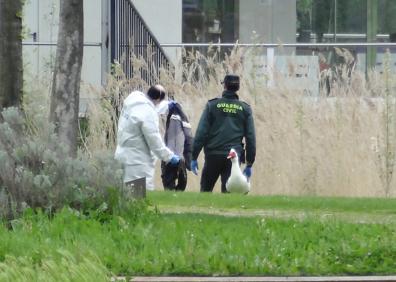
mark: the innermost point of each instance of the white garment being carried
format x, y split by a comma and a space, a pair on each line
139, 140
162, 109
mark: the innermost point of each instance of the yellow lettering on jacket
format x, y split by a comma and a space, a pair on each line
229, 108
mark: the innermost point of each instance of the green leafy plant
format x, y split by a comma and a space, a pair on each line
36, 172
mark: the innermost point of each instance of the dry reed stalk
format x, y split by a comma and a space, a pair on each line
326, 145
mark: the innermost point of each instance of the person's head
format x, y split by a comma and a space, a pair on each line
156, 93
231, 82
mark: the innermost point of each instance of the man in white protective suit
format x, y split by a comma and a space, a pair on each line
138, 138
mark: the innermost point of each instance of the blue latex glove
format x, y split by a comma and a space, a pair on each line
172, 105
248, 171
174, 160
194, 167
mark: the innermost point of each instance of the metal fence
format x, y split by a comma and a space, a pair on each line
271, 50
313, 64
131, 37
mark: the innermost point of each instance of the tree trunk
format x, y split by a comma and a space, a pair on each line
11, 68
65, 94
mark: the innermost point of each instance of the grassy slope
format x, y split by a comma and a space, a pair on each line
201, 244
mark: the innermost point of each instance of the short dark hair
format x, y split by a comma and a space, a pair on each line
231, 82
155, 93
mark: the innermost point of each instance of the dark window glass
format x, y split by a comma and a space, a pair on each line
210, 21
387, 18
347, 21
331, 20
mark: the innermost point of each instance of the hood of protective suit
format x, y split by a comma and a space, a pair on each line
138, 132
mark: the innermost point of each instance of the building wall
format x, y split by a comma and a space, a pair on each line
273, 21
41, 20
41, 23
284, 21
164, 19
267, 21
255, 21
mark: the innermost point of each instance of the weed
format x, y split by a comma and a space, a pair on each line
61, 266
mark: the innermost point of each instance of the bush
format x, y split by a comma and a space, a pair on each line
36, 172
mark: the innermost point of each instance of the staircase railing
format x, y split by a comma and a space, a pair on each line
130, 36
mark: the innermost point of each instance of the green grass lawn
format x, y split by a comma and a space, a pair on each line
248, 202
152, 243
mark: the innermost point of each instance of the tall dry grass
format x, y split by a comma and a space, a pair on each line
341, 144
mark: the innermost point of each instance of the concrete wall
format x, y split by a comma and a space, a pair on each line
272, 20
164, 19
267, 21
255, 21
284, 21
41, 17
41, 22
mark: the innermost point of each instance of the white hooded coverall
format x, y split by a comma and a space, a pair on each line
139, 140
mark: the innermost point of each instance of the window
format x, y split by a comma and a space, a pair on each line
331, 20
206, 21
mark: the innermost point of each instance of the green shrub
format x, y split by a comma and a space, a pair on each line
36, 172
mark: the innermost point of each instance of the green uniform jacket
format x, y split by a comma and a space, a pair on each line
223, 124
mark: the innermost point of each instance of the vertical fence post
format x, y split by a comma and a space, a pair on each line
270, 66
372, 28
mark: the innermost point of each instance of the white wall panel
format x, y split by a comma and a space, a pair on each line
42, 18
164, 19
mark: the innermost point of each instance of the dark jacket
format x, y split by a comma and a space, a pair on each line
223, 125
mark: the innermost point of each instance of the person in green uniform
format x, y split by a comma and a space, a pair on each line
223, 125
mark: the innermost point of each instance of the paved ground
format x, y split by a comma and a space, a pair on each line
262, 279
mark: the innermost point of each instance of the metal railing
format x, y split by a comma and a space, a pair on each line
272, 50
314, 47
130, 36
274, 45
47, 43
344, 36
